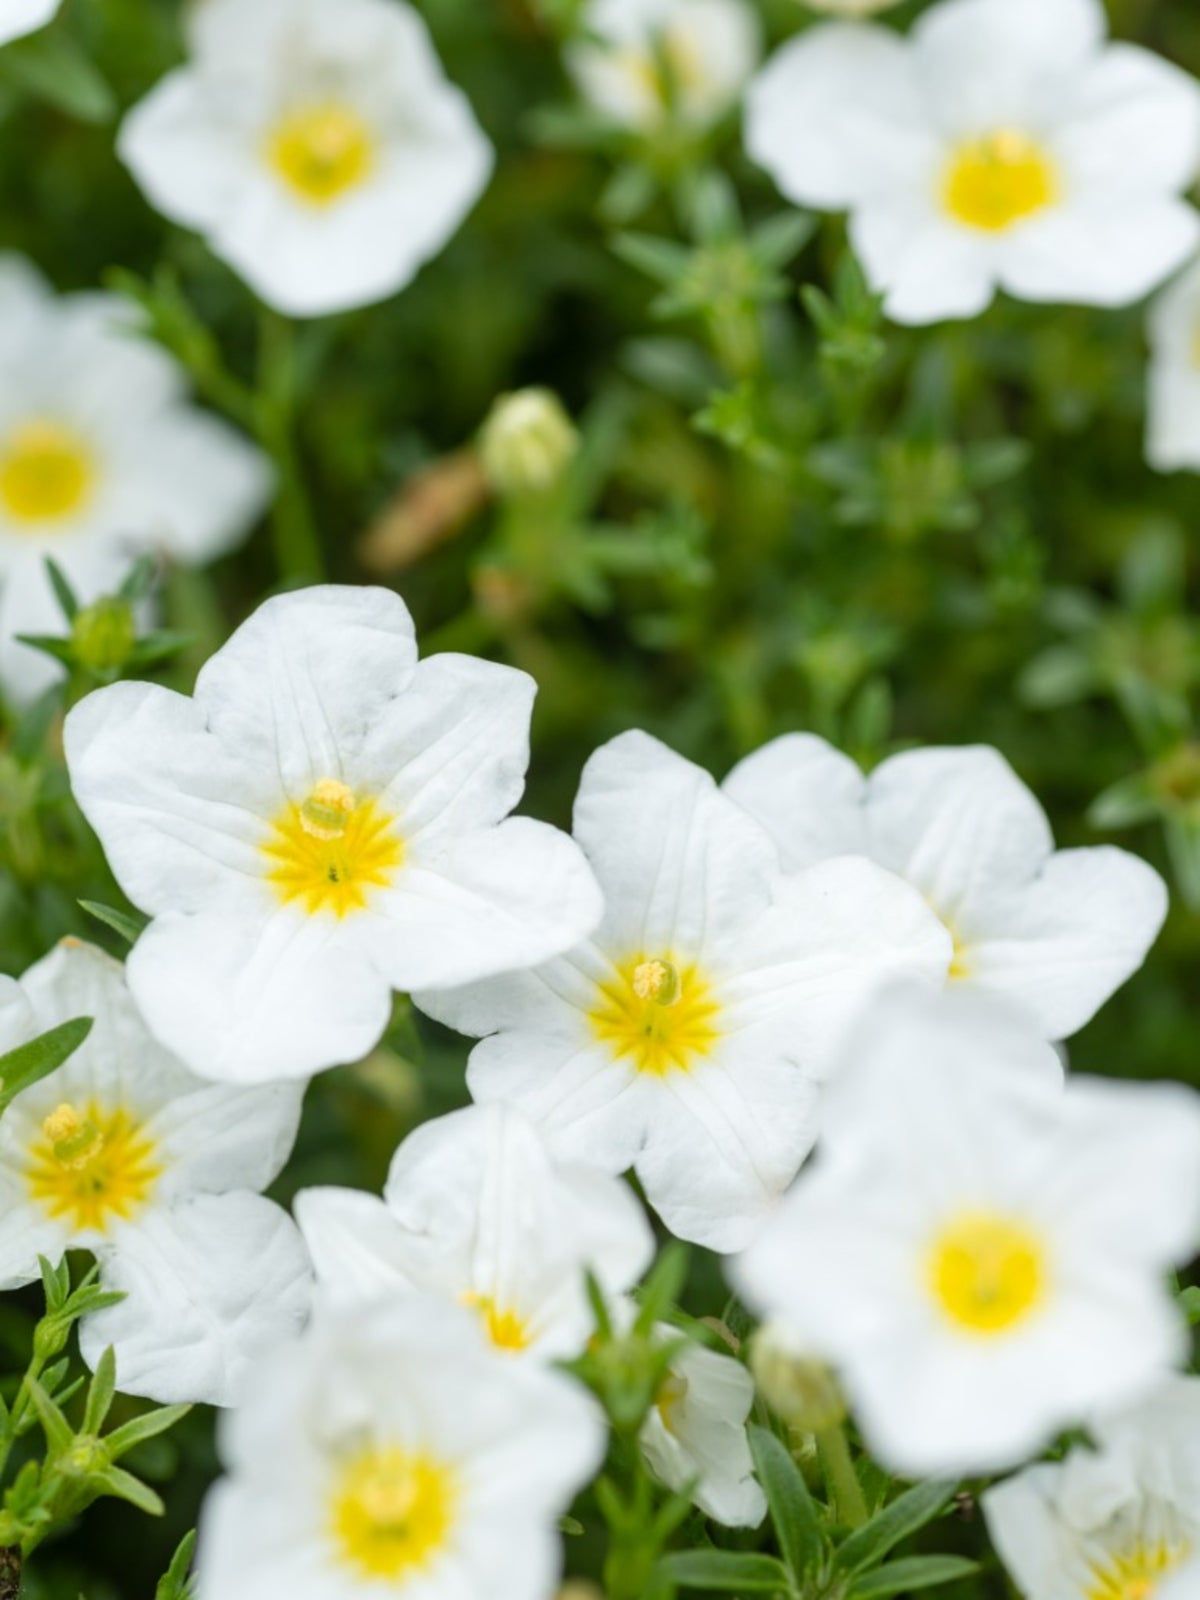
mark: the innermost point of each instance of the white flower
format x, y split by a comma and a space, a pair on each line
1119, 1522
100, 458
475, 1210
392, 1452
1173, 383
1055, 931
687, 1037
321, 823
24, 16
122, 1152
1003, 144
316, 144
644, 60
696, 1434
979, 1248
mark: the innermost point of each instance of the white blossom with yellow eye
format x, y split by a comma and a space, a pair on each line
123, 1152
980, 1249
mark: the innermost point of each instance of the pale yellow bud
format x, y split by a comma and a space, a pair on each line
527, 443
798, 1388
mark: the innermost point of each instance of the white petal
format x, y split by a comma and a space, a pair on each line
216, 1139
1133, 124
211, 1285
807, 795
186, 164
300, 686
1062, 944
956, 823
248, 1000
358, 1252
450, 754
26, 1232
988, 64
836, 116
927, 269
23, 16
1173, 416
182, 820
674, 857
470, 905
1099, 249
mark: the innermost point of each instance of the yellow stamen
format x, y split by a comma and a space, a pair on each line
658, 1013
1137, 1573
330, 852
505, 1327
987, 1273
994, 182
322, 152
92, 1167
46, 473
392, 1512
672, 1392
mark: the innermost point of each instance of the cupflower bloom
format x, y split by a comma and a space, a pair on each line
101, 458
25, 16
1117, 1522
1173, 383
980, 1249
477, 1212
316, 144
321, 823
125, 1153
1002, 145
694, 1437
642, 61
390, 1452
687, 1037
1054, 931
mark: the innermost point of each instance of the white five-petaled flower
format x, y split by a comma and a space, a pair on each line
1173, 381
688, 1036
100, 458
316, 144
642, 61
18, 17
1055, 931
476, 1210
980, 1248
391, 1452
322, 822
695, 1434
123, 1152
1118, 1522
1003, 144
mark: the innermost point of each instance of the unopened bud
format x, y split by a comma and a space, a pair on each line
528, 441
798, 1388
579, 1589
104, 635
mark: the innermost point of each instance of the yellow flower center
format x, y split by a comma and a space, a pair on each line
322, 152
506, 1328
329, 852
672, 1392
987, 1273
658, 1014
392, 1512
996, 181
672, 69
960, 959
46, 472
1136, 1574
92, 1165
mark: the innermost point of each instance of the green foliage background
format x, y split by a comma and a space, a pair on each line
786, 515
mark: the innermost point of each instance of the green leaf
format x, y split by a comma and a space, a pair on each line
663, 1287
122, 1485
174, 1584
63, 592
793, 1514
728, 1570
136, 1431
129, 924
661, 259
101, 1392
868, 1545
912, 1573
30, 1063
58, 1431
52, 67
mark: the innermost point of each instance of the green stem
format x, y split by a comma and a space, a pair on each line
845, 1492
297, 546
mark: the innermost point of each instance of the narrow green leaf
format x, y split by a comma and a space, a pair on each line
51, 66
793, 1514
30, 1063
663, 1287
138, 1429
123, 1485
868, 1545
174, 1584
55, 1426
664, 260
67, 602
910, 1574
129, 924
101, 1392
729, 1570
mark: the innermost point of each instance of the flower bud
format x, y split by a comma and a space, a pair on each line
798, 1388
528, 441
104, 635
578, 1589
